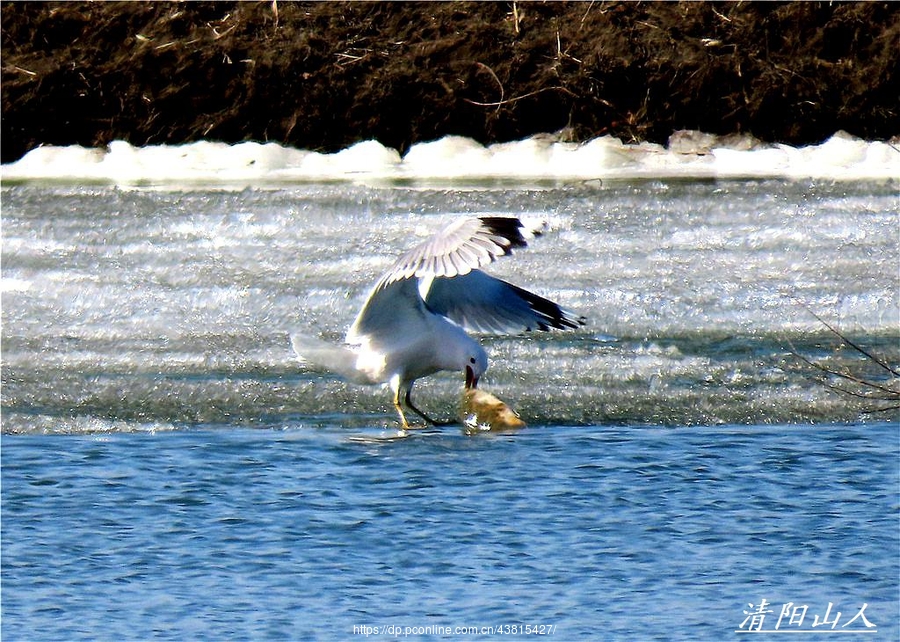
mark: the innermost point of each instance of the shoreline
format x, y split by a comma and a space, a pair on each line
325, 76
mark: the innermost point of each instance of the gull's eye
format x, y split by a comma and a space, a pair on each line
472, 360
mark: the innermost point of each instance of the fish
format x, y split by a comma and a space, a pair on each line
480, 411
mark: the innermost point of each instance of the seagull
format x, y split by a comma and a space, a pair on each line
414, 322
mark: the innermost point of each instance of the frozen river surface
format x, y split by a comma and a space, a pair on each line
137, 310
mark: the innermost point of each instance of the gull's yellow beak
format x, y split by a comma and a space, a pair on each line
471, 379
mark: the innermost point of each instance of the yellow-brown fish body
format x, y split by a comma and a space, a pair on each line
481, 412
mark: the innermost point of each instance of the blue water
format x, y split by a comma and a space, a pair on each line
291, 532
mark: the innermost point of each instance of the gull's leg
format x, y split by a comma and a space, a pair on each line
403, 423
395, 387
411, 406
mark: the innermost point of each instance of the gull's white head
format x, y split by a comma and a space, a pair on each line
457, 351
476, 364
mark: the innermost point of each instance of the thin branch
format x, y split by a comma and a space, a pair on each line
499, 84
856, 393
842, 375
586, 12
885, 409
867, 390
854, 346
512, 100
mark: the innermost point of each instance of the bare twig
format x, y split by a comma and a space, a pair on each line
866, 354
497, 104
517, 98
560, 54
217, 34
351, 58
507, 101
725, 18
844, 375
868, 390
22, 70
586, 12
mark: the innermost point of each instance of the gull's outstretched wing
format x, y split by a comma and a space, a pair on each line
395, 304
465, 244
483, 303
453, 286
394, 312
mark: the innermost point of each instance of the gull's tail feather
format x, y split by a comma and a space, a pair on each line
326, 356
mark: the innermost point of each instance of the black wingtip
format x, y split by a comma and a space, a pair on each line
551, 316
508, 227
